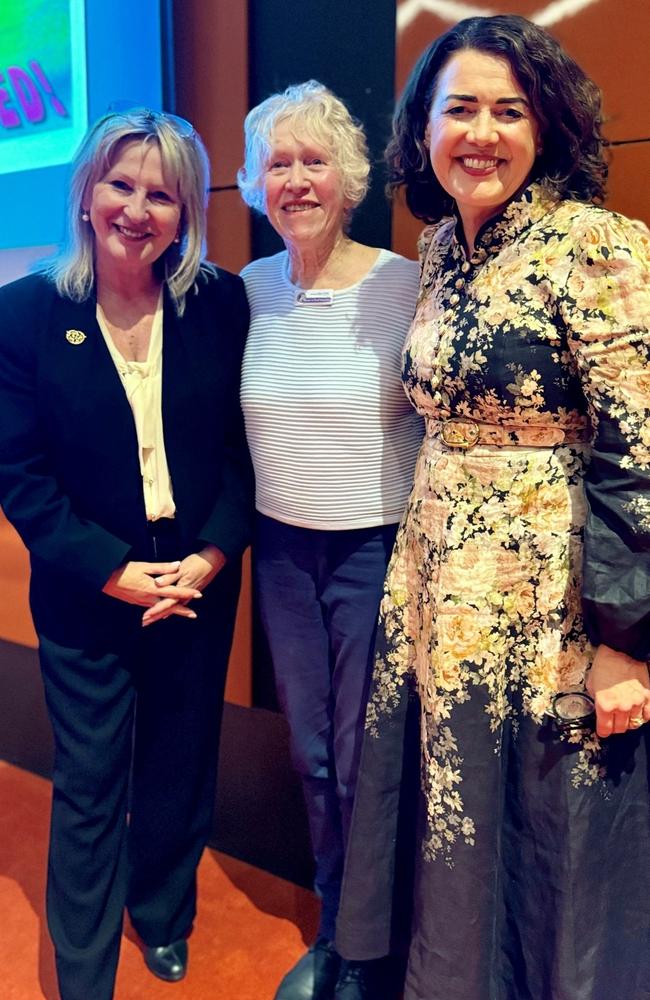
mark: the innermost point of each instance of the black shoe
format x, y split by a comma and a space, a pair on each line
169, 962
354, 982
372, 980
314, 976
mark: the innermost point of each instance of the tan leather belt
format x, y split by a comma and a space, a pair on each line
465, 433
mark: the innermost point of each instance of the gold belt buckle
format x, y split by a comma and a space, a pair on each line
460, 432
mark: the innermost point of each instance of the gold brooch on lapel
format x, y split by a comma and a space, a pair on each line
75, 336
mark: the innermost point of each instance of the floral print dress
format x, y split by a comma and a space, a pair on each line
525, 543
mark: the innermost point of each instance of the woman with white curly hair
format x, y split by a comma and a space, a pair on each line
333, 446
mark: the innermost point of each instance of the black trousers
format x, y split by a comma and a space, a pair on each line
142, 715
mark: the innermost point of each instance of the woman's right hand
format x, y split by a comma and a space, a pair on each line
620, 687
134, 583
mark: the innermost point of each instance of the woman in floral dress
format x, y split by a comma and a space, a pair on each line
522, 566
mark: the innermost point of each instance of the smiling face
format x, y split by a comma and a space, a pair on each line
134, 211
303, 192
482, 134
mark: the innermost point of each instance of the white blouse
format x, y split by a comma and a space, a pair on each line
142, 381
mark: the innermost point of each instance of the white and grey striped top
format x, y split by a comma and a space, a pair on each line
332, 435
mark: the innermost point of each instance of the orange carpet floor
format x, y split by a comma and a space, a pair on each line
250, 929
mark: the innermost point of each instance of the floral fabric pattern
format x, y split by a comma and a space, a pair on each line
502, 578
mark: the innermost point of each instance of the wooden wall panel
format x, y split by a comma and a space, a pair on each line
609, 38
15, 619
211, 50
211, 71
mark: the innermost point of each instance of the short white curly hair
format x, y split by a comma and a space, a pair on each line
312, 111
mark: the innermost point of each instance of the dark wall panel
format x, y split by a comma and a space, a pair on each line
348, 46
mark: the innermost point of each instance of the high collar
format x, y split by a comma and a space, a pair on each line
523, 211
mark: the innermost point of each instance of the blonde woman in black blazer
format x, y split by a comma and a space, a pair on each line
114, 548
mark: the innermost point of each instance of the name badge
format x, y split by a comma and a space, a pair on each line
315, 297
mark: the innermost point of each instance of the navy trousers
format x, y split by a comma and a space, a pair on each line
136, 729
319, 594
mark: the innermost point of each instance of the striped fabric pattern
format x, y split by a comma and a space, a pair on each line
331, 433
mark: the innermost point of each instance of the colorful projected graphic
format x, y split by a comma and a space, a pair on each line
63, 64
42, 82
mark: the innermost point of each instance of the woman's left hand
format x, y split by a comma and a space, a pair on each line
196, 570
620, 687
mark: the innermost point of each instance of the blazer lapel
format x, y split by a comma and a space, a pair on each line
92, 385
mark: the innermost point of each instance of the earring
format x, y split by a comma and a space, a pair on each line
177, 238
85, 217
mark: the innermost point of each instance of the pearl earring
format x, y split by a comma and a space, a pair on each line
85, 217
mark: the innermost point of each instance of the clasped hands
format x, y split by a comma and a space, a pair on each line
165, 588
620, 687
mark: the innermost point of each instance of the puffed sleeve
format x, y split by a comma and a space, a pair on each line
606, 309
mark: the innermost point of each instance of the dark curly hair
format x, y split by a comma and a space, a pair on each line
566, 103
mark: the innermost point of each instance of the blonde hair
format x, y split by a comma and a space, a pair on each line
311, 110
185, 164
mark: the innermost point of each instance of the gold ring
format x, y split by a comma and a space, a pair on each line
636, 721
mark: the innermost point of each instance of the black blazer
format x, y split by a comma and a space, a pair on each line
70, 478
